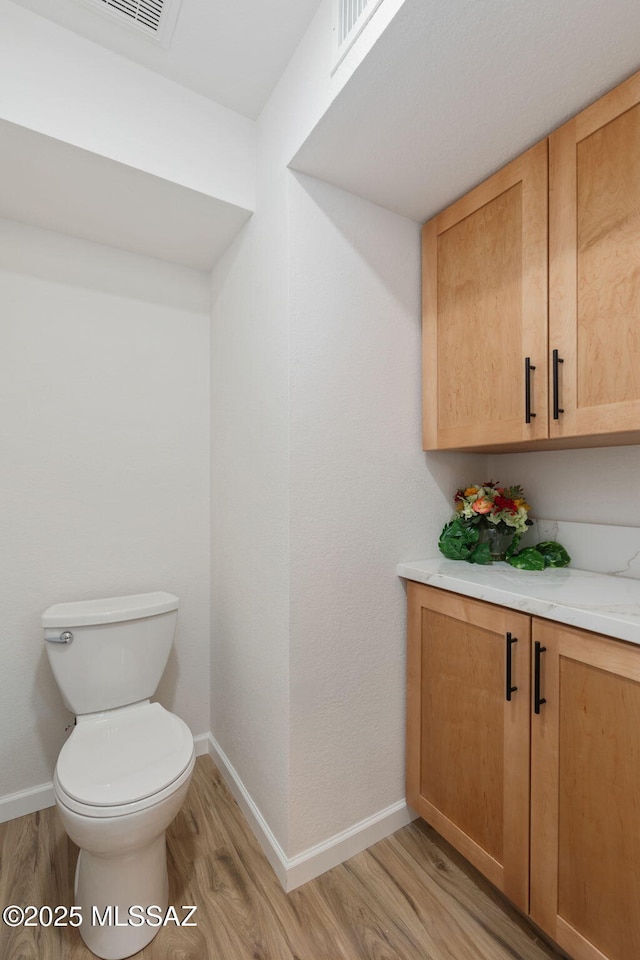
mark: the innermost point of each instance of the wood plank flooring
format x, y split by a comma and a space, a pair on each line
409, 897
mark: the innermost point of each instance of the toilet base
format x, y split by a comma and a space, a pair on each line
107, 888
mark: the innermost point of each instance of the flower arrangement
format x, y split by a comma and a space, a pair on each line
487, 525
505, 506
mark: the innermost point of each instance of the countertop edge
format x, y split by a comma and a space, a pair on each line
526, 598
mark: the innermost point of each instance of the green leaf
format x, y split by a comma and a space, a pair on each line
457, 540
511, 549
528, 559
480, 554
554, 554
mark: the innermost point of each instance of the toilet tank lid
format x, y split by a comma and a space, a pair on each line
82, 613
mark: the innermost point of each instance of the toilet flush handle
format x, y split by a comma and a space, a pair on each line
65, 637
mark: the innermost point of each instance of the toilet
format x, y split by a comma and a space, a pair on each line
123, 774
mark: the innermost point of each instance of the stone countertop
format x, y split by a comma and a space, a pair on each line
600, 602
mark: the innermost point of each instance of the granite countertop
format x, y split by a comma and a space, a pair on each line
599, 602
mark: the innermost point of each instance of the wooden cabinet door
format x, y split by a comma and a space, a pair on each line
594, 262
585, 802
485, 311
467, 744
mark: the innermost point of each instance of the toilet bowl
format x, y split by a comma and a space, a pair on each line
123, 774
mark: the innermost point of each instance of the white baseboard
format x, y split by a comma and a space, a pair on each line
316, 860
270, 846
201, 744
23, 802
293, 872
19, 804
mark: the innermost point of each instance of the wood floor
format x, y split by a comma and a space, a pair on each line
409, 897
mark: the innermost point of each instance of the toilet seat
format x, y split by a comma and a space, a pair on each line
125, 760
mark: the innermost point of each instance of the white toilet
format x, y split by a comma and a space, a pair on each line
123, 774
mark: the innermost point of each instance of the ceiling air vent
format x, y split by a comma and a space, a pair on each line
154, 18
145, 12
349, 19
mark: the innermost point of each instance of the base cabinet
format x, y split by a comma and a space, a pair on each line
467, 745
585, 794
523, 751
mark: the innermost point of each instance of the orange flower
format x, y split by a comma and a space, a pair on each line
482, 505
469, 492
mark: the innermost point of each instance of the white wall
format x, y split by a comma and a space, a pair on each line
57, 83
319, 488
362, 495
104, 433
250, 539
591, 486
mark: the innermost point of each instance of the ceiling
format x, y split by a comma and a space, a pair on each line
231, 51
450, 92
453, 90
58, 186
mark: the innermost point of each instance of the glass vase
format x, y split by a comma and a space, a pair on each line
499, 540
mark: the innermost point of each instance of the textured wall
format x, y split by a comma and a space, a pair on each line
249, 501
104, 471
592, 486
319, 487
363, 497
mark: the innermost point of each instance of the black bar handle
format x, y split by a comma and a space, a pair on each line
510, 642
528, 367
557, 409
537, 699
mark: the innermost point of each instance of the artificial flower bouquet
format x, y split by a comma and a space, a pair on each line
488, 524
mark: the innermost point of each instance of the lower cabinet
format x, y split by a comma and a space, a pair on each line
467, 744
523, 751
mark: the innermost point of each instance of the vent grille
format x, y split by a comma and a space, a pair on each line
350, 11
146, 13
350, 17
153, 19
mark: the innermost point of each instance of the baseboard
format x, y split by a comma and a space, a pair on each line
201, 744
294, 871
316, 860
270, 846
22, 802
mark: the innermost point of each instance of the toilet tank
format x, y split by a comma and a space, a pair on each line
118, 650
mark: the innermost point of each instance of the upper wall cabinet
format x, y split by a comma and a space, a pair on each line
594, 267
529, 346
485, 311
